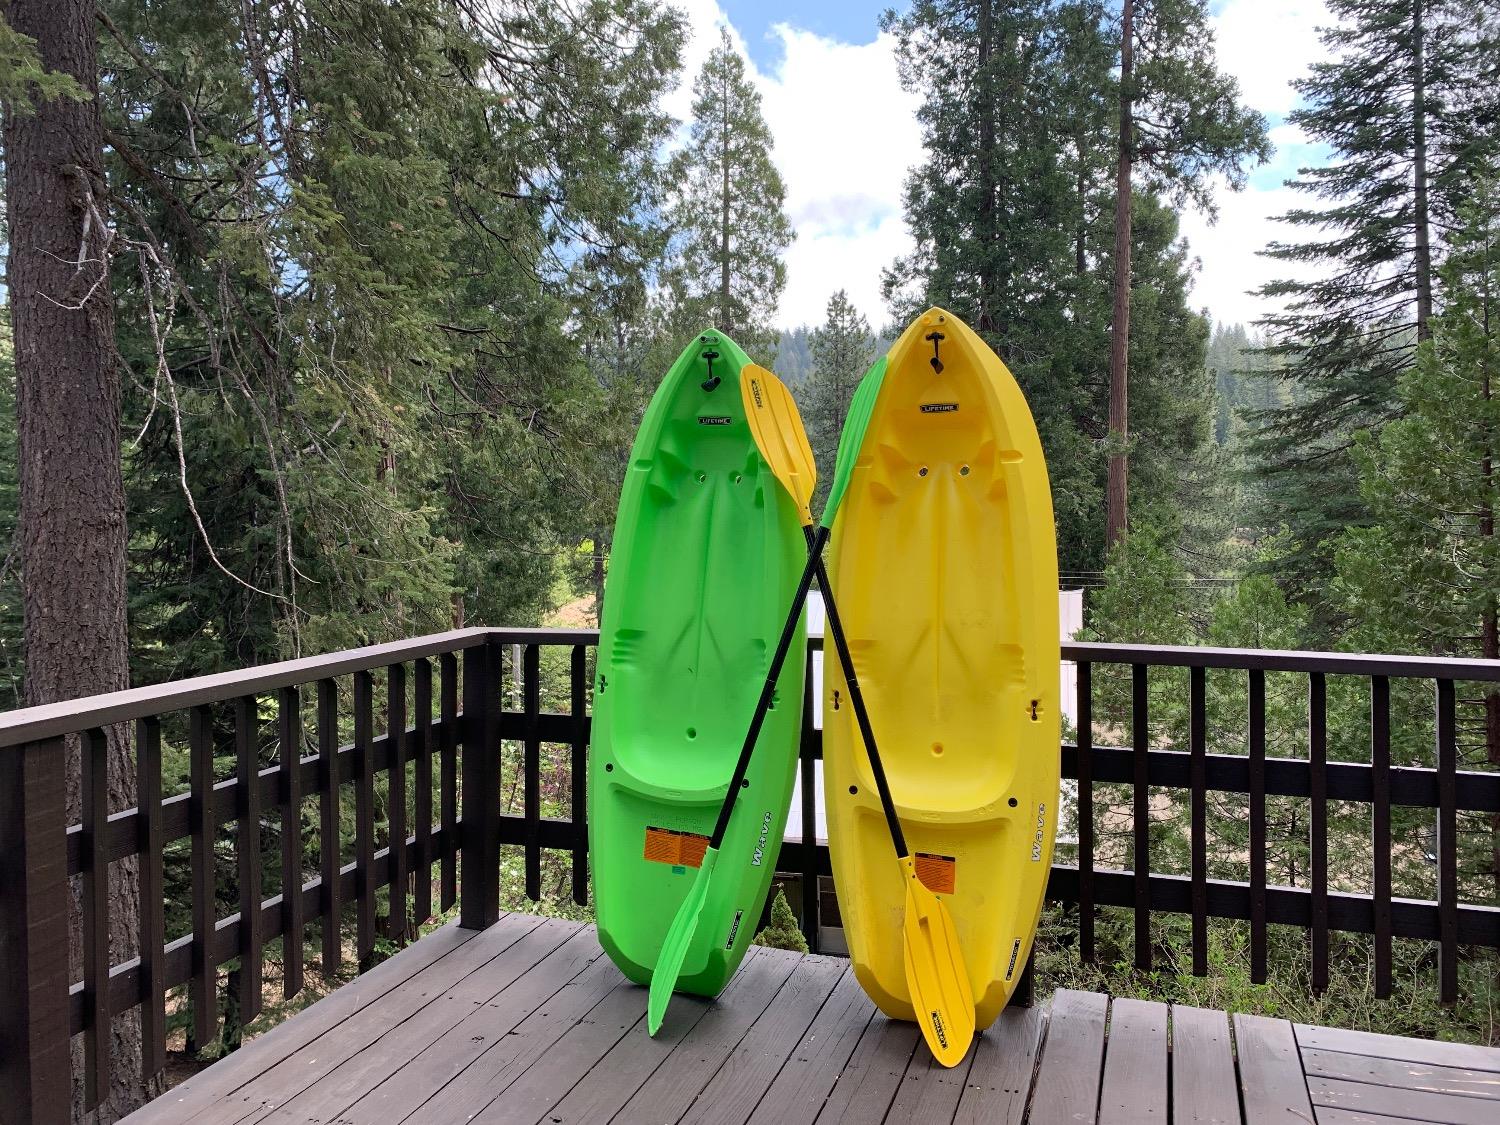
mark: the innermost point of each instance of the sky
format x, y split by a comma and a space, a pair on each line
846, 133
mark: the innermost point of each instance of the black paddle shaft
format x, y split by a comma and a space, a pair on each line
768, 691
856, 697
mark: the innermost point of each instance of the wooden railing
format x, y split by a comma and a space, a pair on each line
445, 719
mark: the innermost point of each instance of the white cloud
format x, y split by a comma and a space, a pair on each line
1266, 44
1229, 252
845, 134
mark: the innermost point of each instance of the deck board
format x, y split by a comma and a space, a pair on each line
451, 1030
797, 1093
730, 1097
1134, 1089
1401, 1074
527, 1023
183, 1103
1067, 1081
1466, 1055
868, 1083
999, 1082
1203, 1079
362, 1045
493, 1044
670, 1091
1273, 1087
1416, 1105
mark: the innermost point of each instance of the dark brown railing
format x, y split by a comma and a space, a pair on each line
448, 723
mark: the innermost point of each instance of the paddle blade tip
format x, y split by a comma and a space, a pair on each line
937, 975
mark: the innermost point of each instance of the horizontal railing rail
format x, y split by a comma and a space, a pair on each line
424, 774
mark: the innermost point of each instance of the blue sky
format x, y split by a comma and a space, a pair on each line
847, 21
845, 136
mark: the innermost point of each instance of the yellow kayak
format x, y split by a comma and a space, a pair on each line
944, 562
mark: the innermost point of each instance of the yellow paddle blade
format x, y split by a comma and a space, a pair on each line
935, 972
777, 428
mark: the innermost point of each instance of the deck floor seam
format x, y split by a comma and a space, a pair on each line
770, 1082
556, 950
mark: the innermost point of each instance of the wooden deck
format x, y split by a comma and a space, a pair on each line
527, 1022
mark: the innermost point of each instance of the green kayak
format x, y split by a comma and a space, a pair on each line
706, 557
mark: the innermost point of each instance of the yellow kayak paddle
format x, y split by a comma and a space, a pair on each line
936, 974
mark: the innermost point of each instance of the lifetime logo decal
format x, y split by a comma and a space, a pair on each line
939, 407
755, 390
939, 1030
733, 929
713, 419
760, 848
1041, 832
1015, 951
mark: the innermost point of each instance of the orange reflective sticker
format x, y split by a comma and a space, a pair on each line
680, 849
693, 847
939, 873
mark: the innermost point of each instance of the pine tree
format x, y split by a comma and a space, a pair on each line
842, 350
373, 316
1005, 214
1010, 213
71, 521
1426, 574
1180, 122
1408, 100
782, 932
728, 208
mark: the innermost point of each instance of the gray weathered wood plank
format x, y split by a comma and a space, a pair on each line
1469, 1056
1328, 1116
732, 1094
1419, 1105
461, 1073
1134, 1088
929, 1091
670, 1090
796, 1095
278, 1085
184, 1102
453, 1028
1067, 1082
864, 1090
1272, 1086
1405, 1075
1203, 1082
627, 1066
572, 1057
999, 1081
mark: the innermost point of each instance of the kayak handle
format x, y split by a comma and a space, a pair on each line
935, 338
713, 380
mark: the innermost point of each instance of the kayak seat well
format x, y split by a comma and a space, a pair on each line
939, 478
687, 669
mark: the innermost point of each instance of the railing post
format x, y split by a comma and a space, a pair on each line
34, 1058
479, 829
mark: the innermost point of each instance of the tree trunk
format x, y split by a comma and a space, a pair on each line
1119, 340
988, 288
1489, 626
601, 547
726, 321
72, 498
1422, 242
